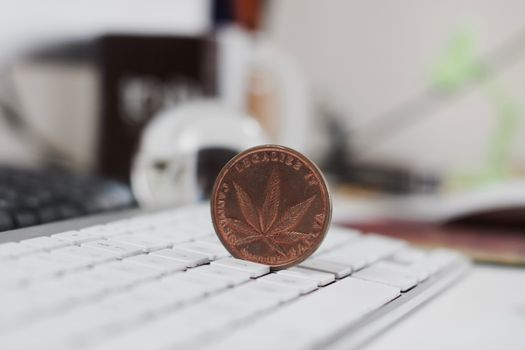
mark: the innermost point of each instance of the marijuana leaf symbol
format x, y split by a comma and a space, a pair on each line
265, 224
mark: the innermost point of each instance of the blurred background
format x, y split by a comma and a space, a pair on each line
413, 109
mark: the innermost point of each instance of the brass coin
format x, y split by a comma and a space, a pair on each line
270, 204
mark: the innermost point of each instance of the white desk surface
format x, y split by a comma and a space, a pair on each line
486, 310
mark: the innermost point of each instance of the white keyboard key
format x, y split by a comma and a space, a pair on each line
185, 289
302, 285
387, 276
148, 299
118, 225
353, 259
336, 237
92, 255
211, 250
77, 237
338, 269
321, 278
119, 249
157, 262
166, 333
409, 255
171, 235
364, 251
253, 269
420, 273
138, 272
210, 239
106, 231
148, 242
99, 230
110, 279
39, 268
45, 243
281, 292
379, 247
328, 312
12, 250
191, 227
82, 285
260, 298
210, 284
191, 259
11, 276
231, 276
63, 262
443, 258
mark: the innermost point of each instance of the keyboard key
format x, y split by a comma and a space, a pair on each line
171, 235
250, 294
82, 285
138, 272
443, 258
191, 259
212, 251
110, 279
419, 272
387, 276
185, 288
6, 221
302, 285
148, 242
91, 255
321, 278
36, 268
409, 255
252, 268
12, 250
355, 260
62, 261
118, 249
146, 299
157, 262
281, 292
210, 284
338, 269
364, 251
45, 243
231, 276
77, 237
25, 218
337, 237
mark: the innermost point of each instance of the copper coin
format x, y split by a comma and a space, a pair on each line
270, 204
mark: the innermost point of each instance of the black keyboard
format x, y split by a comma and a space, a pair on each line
32, 197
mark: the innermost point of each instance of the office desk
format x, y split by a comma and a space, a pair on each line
484, 311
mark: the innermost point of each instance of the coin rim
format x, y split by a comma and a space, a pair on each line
304, 159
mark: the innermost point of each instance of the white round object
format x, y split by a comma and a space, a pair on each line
165, 168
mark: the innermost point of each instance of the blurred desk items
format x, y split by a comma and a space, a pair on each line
488, 223
183, 149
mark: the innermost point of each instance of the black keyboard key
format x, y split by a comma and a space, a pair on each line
68, 211
25, 218
6, 222
49, 214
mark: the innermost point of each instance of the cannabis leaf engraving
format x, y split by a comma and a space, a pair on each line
266, 224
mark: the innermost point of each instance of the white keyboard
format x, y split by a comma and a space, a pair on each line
164, 281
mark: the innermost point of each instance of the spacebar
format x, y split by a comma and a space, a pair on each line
314, 318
